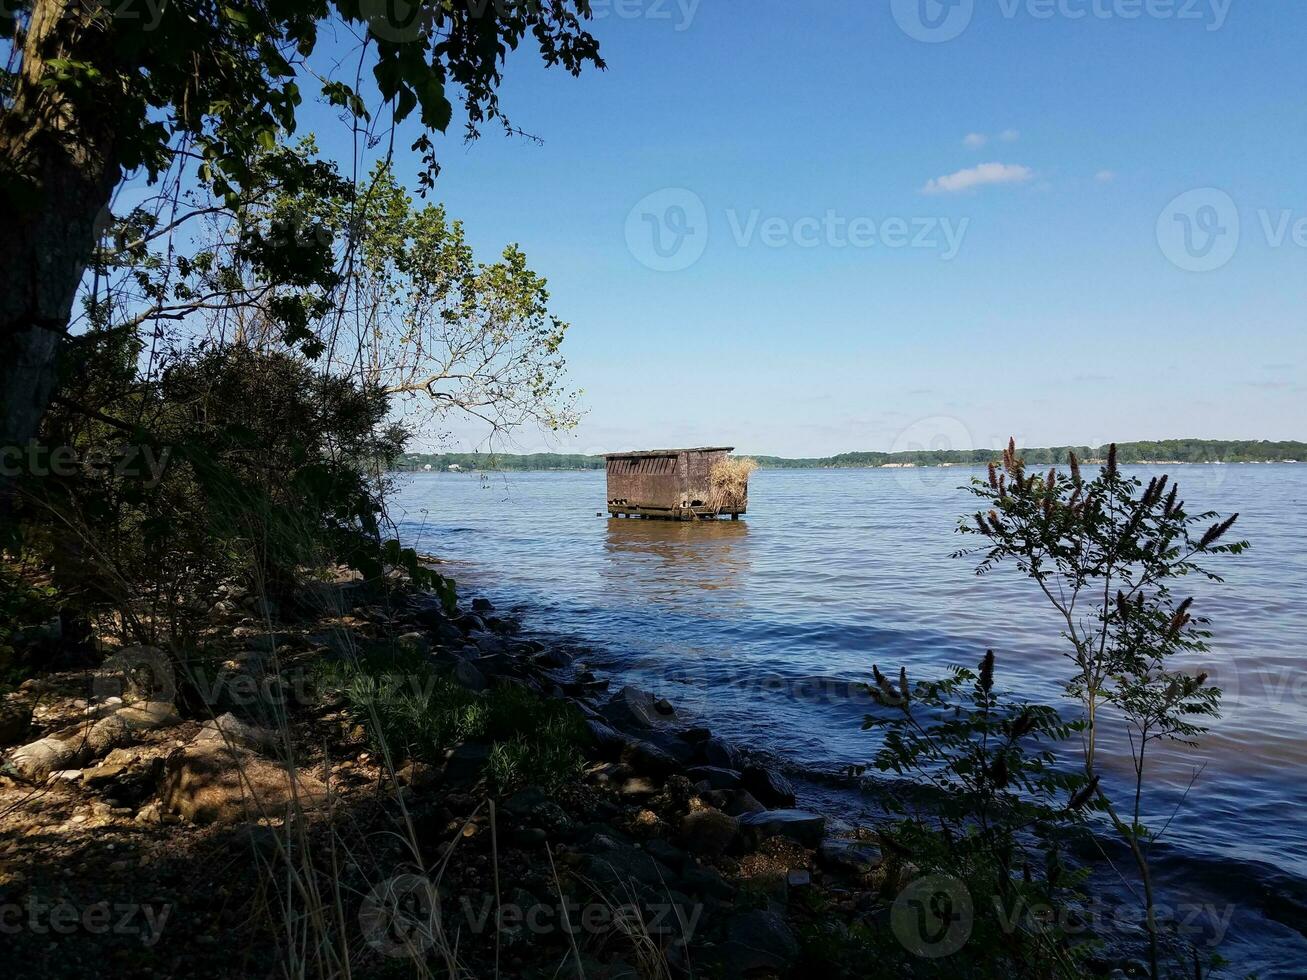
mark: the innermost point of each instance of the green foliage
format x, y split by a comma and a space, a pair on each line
24, 606
997, 816
507, 462
1105, 553
226, 78
1162, 451
242, 464
1182, 450
412, 711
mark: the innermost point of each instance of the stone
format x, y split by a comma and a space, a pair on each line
759, 940
798, 878
742, 802
413, 644
715, 778
631, 708
609, 743
480, 605
799, 826
35, 761
664, 851
15, 721
719, 753
216, 784
228, 728
136, 673
708, 832
707, 882
126, 725
649, 758
469, 676
848, 856
768, 786
465, 764
417, 775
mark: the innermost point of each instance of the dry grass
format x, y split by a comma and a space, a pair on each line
728, 486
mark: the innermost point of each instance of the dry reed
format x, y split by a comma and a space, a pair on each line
728, 485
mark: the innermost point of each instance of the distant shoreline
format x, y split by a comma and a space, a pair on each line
1171, 452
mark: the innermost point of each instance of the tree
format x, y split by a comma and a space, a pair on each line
1105, 552
439, 331
93, 91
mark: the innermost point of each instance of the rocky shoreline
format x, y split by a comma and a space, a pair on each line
127, 789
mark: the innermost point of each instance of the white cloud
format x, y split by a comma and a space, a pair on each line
1105, 176
1009, 135
985, 173
974, 141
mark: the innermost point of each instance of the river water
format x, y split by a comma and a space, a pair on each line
764, 628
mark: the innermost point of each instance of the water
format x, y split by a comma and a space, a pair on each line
765, 626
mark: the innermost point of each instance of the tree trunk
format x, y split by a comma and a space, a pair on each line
57, 171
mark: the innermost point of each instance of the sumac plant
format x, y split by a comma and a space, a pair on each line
994, 816
1107, 552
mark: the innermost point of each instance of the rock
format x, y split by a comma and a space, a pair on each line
798, 878
708, 832
742, 802
215, 784
431, 616
99, 775
608, 742
136, 673
758, 940
715, 778
470, 677
617, 867
552, 657
465, 764
848, 856
470, 623
799, 826
719, 753
416, 774
480, 605
664, 851
15, 721
126, 725
649, 758
413, 645
707, 882
634, 709
37, 760
228, 728
768, 786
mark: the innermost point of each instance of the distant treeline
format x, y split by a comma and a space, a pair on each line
500, 461
1164, 451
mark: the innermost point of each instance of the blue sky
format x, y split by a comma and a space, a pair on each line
1042, 285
